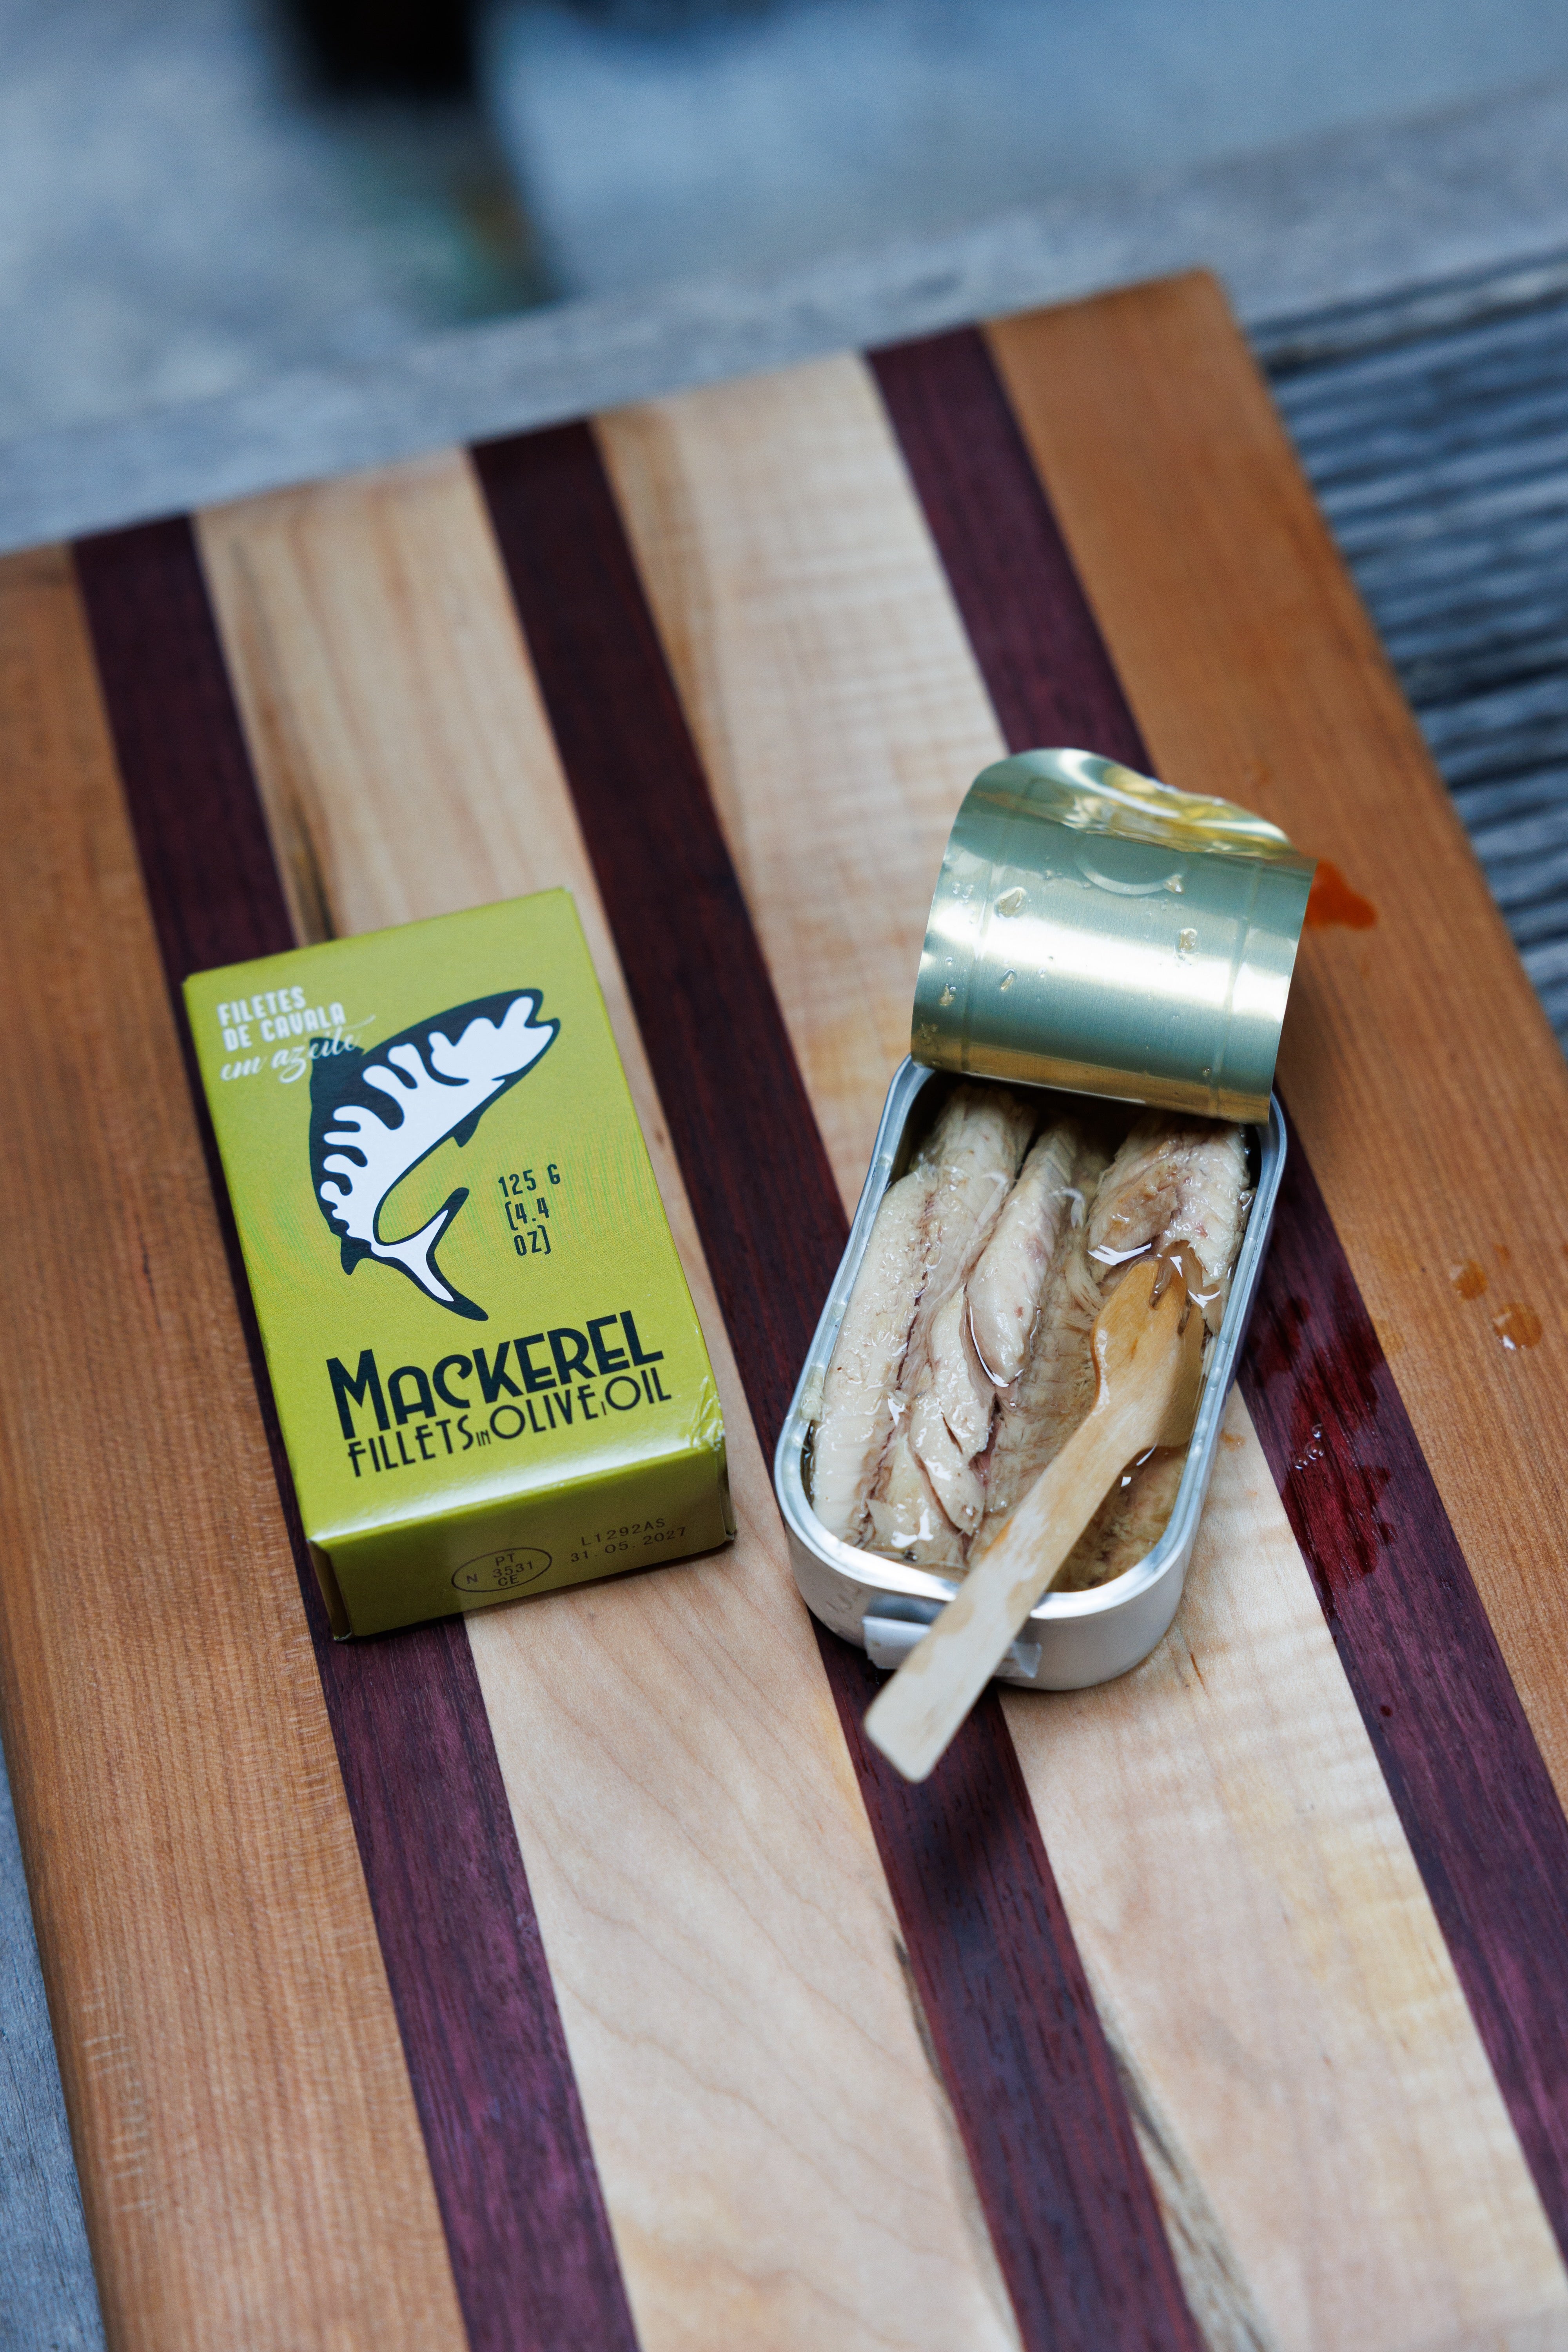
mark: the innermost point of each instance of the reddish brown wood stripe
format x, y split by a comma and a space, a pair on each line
532, 2252
1043, 2119
1411, 1630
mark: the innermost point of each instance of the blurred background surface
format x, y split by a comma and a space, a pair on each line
654, 140
187, 205
197, 194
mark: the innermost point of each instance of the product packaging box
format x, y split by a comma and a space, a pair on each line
489, 1373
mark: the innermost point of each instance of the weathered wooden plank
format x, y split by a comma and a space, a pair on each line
48, 2293
779, 2164
228, 2044
734, 498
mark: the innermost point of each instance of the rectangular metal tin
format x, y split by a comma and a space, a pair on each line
1072, 1639
582, 1435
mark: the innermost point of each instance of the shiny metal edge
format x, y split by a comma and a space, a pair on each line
1095, 930
1081, 1638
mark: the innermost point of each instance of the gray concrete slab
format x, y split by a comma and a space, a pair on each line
658, 142
1323, 221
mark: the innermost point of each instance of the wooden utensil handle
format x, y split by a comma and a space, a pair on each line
912, 1720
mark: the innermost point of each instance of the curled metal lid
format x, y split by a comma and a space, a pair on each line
1094, 929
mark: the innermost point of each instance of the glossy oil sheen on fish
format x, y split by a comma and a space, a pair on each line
488, 1367
965, 1360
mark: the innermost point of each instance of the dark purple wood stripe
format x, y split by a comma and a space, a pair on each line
1470, 1783
1046, 668
532, 2252
1467, 1779
1021, 2049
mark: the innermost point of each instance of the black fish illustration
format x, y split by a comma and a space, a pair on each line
374, 1116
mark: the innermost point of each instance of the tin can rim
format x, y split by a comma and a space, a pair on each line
873, 1572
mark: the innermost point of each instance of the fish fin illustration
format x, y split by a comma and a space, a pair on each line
353, 1253
334, 1075
415, 1257
468, 1130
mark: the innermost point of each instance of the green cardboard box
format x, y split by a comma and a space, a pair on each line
489, 1373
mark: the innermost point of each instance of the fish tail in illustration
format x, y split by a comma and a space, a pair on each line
415, 1256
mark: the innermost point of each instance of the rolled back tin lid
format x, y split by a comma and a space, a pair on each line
1095, 929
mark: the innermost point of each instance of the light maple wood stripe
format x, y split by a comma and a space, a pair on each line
800, 642
991, 1958
1421, 1073
226, 2039
760, 601
1239, 1748
778, 2161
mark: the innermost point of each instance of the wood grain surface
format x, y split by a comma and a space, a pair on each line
481, 2035
728, 557
779, 2163
1421, 1071
1047, 671
990, 1952
1400, 1598
228, 2043
827, 610
1424, 1663
1350, 2177
576, 1975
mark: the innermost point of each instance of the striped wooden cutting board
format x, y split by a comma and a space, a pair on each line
574, 1975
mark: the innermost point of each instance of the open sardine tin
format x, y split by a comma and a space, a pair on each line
1093, 933
488, 1367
